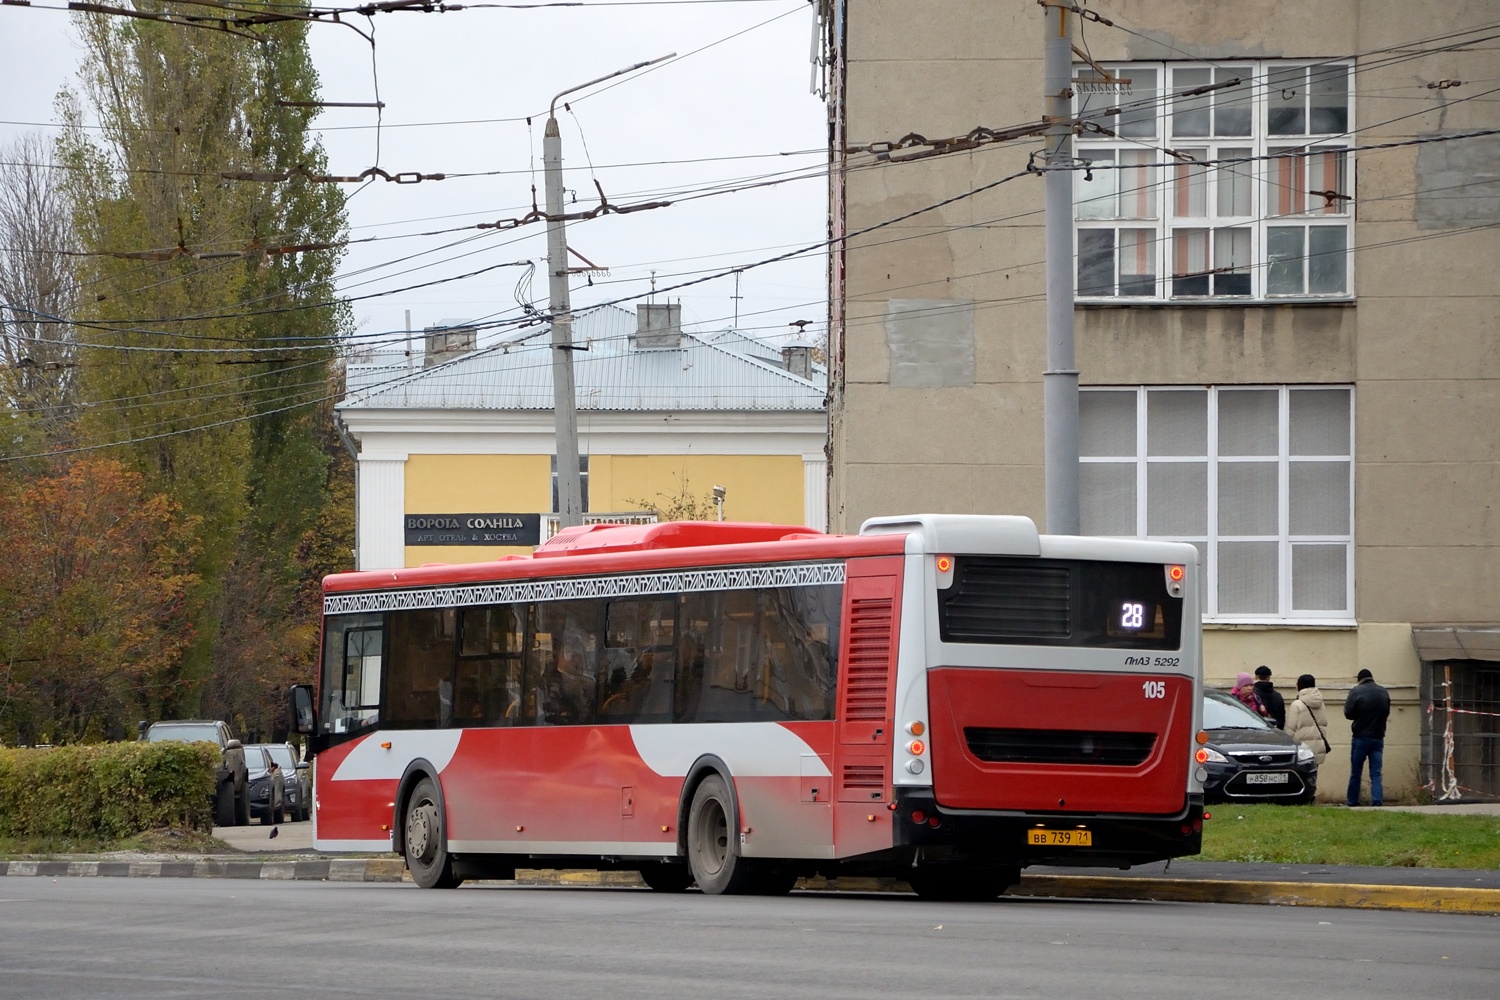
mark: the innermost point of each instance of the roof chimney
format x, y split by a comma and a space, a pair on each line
658, 326
444, 343
796, 358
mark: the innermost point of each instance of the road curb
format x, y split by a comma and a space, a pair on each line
1434, 899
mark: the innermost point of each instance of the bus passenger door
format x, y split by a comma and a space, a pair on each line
867, 675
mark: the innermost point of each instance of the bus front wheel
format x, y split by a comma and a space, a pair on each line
713, 845
427, 855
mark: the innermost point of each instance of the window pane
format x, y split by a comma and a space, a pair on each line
1106, 424
1286, 178
562, 666
1319, 498
1190, 262
419, 689
1096, 262
1329, 99
1177, 498
1248, 578
1107, 498
1247, 421
1320, 421
1137, 261
1235, 183
1284, 254
1096, 189
1190, 187
1286, 102
1139, 102
1325, 174
1137, 184
1177, 422
1320, 578
1231, 262
1326, 259
1232, 104
1190, 114
1247, 498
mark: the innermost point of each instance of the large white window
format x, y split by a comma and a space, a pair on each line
1201, 187
1259, 478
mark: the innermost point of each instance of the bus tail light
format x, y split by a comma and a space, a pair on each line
918, 817
915, 747
1201, 738
916, 728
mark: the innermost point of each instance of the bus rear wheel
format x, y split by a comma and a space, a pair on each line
962, 885
713, 845
426, 844
664, 877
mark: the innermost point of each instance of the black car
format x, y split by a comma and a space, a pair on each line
1249, 760
295, 778
267, 785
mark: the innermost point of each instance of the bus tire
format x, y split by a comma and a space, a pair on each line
224, 804
662, 876
962, 885
426, 845
713, 843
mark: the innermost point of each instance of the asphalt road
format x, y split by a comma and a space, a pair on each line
165, 938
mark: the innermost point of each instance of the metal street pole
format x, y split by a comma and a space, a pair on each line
1060, 382
564, 398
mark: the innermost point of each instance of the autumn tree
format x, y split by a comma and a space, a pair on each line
92, 587
219, 324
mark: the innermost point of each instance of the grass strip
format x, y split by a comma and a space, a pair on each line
1333, 835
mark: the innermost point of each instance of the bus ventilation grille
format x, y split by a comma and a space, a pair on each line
1059, 746
870, 621
995, 599
864, 776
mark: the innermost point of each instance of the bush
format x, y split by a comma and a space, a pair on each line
107, 791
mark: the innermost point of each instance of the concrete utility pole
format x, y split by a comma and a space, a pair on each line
1060, 382
564, 399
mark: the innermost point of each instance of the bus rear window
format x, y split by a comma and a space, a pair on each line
1058, 602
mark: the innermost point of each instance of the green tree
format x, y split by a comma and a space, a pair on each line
187, 264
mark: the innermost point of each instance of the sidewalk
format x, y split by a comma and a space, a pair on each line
1447, 890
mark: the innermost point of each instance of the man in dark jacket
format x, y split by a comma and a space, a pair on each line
1367, 707
1269, 696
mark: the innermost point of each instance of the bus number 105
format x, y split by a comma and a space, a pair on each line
1154, 689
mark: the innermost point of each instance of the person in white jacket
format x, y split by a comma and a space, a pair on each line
1306, 722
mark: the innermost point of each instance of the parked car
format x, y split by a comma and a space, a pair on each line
267, 785
295, 776
1249, 760
232, 785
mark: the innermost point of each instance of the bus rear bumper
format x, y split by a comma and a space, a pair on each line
934, 834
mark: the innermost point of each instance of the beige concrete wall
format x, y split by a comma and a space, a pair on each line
1334, 656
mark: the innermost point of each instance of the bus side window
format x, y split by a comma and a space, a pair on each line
420, 683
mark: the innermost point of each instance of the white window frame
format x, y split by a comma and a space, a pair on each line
1208, 543
1329, 213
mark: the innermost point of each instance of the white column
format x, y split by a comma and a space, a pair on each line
815, 491
381, 509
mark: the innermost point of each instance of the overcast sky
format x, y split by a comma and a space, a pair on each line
457, 88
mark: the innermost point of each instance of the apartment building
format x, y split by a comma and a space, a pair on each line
1287, 284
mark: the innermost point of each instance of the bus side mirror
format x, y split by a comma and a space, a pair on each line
301, 696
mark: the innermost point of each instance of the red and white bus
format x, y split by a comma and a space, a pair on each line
944, 699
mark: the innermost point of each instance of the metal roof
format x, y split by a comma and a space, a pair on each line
609, 371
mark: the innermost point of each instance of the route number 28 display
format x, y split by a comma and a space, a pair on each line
1132, 616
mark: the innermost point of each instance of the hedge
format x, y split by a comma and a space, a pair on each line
106, 791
